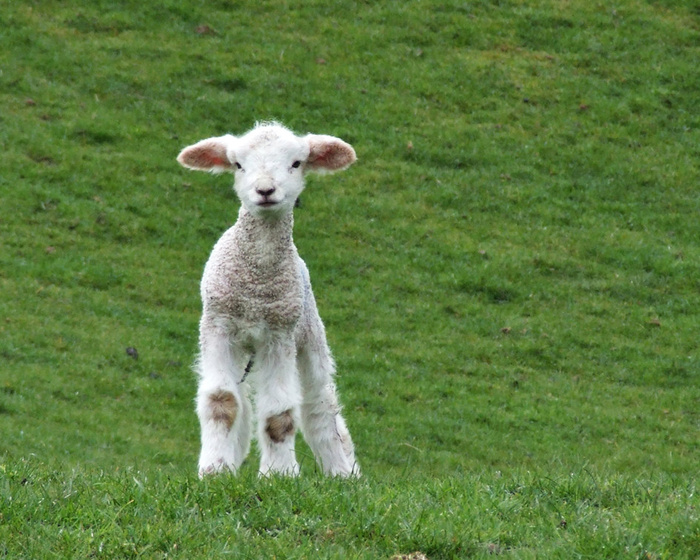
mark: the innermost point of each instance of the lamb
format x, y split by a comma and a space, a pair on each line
259, 314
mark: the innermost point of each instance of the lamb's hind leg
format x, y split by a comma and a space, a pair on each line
223, 407
322, 423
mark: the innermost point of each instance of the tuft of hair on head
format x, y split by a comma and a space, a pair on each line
266, 124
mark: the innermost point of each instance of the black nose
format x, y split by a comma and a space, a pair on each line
265, 191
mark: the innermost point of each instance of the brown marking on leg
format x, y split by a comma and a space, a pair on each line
280, 426
224, 408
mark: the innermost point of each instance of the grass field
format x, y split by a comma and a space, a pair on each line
509, 275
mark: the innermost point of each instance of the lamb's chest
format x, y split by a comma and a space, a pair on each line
276, 301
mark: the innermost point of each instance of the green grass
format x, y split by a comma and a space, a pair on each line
509, 275
132, 514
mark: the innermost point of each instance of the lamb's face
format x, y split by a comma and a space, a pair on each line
269, 164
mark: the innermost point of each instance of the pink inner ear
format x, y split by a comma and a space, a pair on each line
331, 155
204, 155
321, 156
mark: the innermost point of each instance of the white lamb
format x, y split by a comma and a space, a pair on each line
260, 314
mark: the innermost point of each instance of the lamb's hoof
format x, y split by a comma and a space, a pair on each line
353, 473
218, 467
291, 471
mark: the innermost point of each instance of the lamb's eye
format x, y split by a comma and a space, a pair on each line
296, 164
238, 165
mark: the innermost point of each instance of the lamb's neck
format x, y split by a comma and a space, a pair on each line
265, 240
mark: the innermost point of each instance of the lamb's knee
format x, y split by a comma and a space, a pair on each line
280, 426
223, 407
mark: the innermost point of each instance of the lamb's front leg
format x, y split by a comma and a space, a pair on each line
277, 404
223, 406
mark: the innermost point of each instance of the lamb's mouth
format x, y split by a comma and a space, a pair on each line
267, 203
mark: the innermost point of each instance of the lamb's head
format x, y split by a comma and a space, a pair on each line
269, 163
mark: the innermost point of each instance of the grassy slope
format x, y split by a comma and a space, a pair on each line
509, 276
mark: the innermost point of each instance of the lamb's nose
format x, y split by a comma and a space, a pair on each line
265, 191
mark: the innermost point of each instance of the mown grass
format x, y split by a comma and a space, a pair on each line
509, 275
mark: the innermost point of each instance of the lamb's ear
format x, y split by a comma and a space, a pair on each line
327, 153
207, 155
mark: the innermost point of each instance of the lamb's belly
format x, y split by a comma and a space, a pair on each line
283, 315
